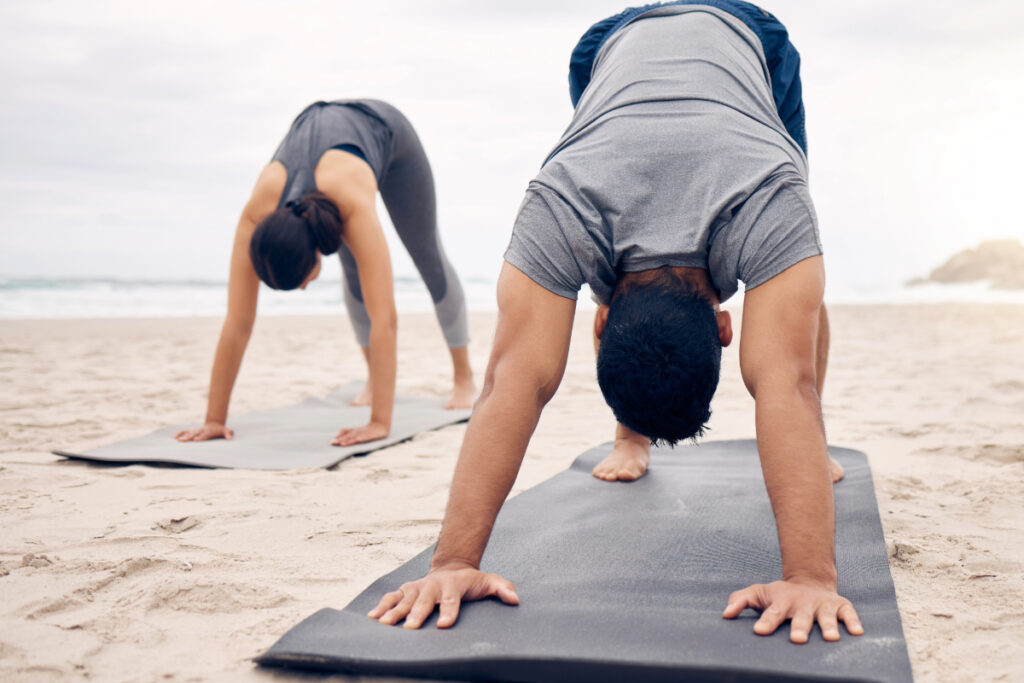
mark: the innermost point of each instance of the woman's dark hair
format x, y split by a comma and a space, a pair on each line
283, 247
659, 360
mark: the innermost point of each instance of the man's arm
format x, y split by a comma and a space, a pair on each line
778, 358
527, 361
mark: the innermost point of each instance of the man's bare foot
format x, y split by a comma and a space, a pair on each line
364, 398
627, 462
463, 396
836, 468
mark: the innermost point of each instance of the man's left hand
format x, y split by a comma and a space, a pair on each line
802, 603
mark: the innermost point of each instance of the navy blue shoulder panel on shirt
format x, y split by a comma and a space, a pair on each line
783, 59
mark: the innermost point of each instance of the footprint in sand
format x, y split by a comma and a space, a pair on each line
37, 561
88, 592
905, 487
987, 452
8, 651
220, 598
383, 474
902, 553
1010, 386
177, 525
121, 472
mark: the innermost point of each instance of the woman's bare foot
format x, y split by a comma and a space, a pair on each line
365, 397
836, 468
463, 395
627, 462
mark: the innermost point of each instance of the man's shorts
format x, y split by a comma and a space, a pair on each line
783, 59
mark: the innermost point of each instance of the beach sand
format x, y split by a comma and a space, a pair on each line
159, 573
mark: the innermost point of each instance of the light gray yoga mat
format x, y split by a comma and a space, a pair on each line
291, 437
627, 582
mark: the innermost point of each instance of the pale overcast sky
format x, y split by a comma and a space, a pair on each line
131, 132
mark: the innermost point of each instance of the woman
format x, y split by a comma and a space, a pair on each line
317, 197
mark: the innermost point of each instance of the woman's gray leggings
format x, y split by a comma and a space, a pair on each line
408, 192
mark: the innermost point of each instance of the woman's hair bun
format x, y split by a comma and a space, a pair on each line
322, 219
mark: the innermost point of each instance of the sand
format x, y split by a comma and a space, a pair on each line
157, 573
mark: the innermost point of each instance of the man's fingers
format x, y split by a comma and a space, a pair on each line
737, 603
398, 612
849, 616
800, 604
827, 622
445, 591
505, 590
740, 600
387, 602
421, 609
800, 626
449, 610
770, 620
228, 433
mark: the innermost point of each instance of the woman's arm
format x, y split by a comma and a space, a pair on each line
365, 239
243, 292
349, 182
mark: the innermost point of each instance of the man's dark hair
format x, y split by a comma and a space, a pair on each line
659, 359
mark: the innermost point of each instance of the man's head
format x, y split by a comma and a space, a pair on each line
660, 352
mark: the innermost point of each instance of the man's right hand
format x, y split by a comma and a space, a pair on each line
531, 346
210, 430
445, 586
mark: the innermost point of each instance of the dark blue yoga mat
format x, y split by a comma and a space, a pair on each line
627, 582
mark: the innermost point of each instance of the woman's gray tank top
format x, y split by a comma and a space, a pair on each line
357, 126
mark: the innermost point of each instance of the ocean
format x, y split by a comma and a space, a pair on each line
63, 298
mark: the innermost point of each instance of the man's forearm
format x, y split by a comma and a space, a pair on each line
503, 421
794, 458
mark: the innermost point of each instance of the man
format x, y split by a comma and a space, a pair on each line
682, 172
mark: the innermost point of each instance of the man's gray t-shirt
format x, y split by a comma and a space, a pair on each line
675, 156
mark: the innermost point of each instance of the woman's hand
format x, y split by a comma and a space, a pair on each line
210, 430
353, 435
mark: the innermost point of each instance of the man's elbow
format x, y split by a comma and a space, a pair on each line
799, 382
533, 387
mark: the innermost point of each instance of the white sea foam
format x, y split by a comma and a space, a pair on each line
63, 298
